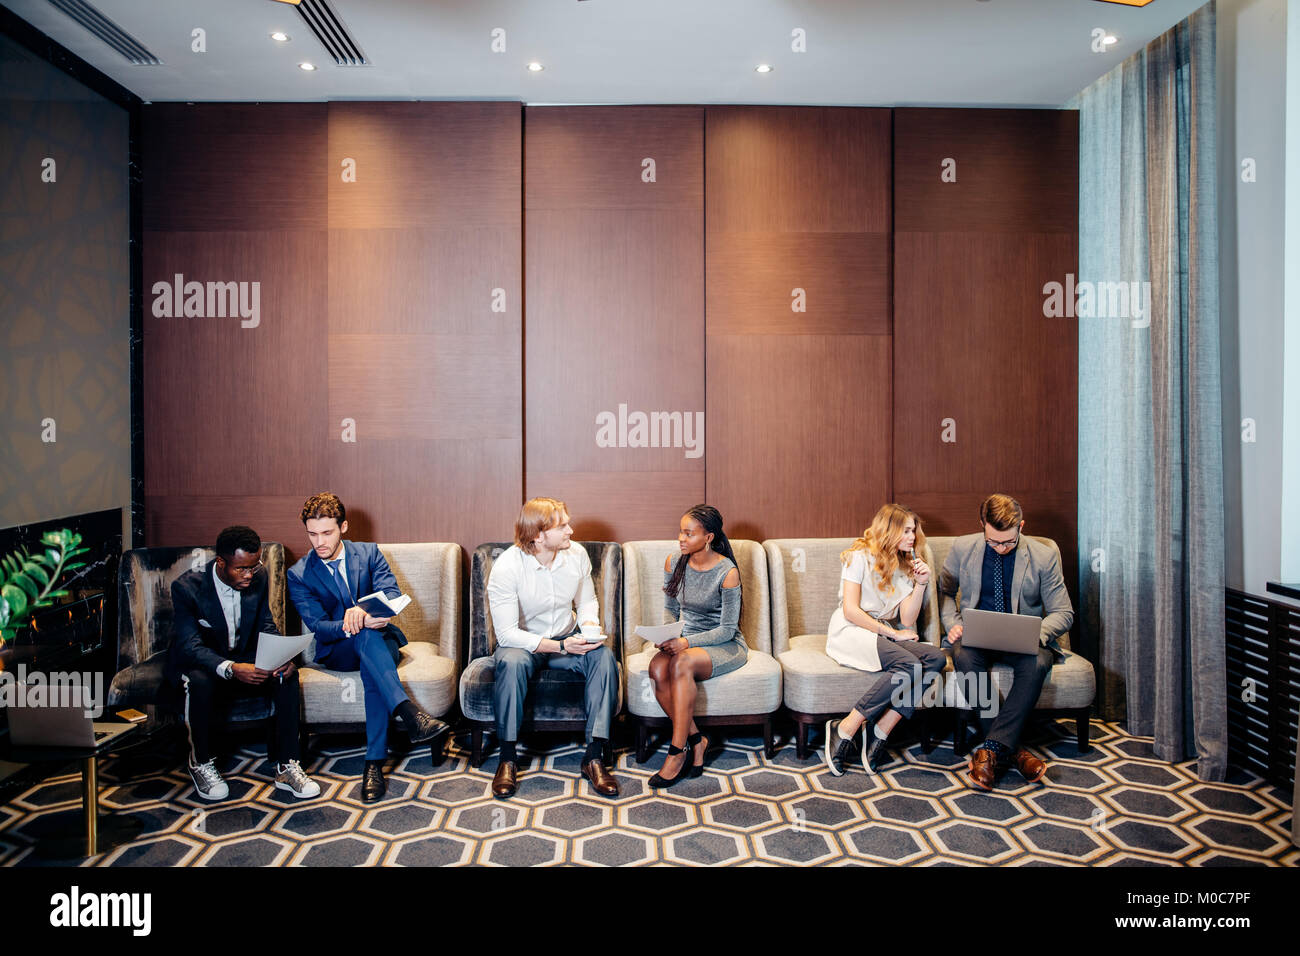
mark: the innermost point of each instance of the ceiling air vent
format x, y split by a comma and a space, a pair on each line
333, 35
108, 31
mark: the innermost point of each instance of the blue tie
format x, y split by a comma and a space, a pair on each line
998, 598
339, 582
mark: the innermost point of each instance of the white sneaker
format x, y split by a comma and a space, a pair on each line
290, 776
208, 782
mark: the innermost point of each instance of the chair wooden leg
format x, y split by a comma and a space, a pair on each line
1081, 721
642, 742
476, 746
801, 738
608, 751
769, 743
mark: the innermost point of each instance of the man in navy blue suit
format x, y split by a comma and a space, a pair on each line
325, 586
218, 614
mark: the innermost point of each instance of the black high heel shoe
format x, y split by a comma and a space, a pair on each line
693, 741
659, 781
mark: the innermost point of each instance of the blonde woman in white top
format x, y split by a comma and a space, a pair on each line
882, 588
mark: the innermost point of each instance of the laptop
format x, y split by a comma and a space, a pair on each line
60, 726
995, 631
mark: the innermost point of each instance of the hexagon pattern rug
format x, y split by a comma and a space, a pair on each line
1114, 806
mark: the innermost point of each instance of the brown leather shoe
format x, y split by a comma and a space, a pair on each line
983, 768
602, 781
1030, 767
505, 781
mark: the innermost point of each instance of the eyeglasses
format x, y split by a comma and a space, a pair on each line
1001, 545
247, 572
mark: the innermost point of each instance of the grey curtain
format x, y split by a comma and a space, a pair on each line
1150, 458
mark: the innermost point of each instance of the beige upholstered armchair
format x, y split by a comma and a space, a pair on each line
430, 572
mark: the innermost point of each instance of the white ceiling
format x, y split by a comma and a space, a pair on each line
859, 52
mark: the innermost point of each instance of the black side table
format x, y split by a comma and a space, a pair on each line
99, 834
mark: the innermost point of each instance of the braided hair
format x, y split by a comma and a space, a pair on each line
711, 520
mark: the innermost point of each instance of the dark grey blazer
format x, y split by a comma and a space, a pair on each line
1037, 585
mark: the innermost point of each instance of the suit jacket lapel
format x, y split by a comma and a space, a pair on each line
1018, 573
324, 585
975, 572
210, 604
353, 565
248, 601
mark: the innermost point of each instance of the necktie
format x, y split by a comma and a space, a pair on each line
998, 596
341, 584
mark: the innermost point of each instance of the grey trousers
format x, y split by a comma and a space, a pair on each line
902, 664
516, 666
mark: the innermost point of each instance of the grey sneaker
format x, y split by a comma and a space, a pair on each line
838, 751
874, 751
290, 776
208, 782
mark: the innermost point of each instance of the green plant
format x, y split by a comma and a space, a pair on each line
29, 582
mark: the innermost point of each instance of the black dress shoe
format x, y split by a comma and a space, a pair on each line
373, 786
505, 780
423, 727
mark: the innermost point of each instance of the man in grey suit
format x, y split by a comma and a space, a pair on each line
1001, 570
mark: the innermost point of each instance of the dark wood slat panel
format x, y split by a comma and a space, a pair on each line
590, 157
1052, 514
615, 316
774, 169
971, 259
233, 166
430, 374
798, 197
971, 343
649, 503
425, 164
233, 410
407, 281
183, 520
799, 432
845, 279
614, 279
422, 387
1017, 170
451, 490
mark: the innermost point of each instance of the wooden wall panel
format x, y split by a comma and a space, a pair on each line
231, 167
615, 313
970, 262
376, 305
803, 437
799, 403
228, 409
229, 429
417, 357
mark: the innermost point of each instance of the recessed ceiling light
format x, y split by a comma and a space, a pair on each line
763, 68
280, 37
1110, 39
535, 67
306, 66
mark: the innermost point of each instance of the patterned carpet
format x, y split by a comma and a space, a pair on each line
1116, 805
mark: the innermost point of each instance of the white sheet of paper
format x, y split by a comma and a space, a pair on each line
658, 633
276, 650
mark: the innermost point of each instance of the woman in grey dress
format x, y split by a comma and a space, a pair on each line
702, 589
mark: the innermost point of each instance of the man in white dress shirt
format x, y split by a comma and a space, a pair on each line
532, 590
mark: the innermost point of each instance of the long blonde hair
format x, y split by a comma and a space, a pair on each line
880, 541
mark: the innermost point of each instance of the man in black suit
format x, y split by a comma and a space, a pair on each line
218, 614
